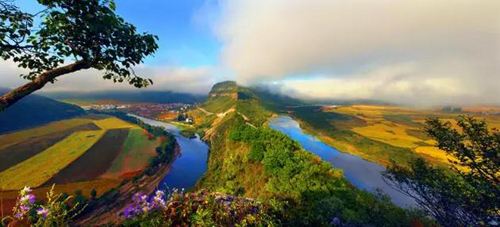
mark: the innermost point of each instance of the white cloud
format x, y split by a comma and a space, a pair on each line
425, 51
180, 79
409, 83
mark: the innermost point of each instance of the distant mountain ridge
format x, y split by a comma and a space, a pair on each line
35, 110
130, 96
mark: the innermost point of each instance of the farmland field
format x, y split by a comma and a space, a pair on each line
75, 150
379, 133
113, 123
38, 169
20, 136
137, 150
19, 152
95, 161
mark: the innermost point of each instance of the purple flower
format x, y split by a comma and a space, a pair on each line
43, 212
18, 215
130, 211
28, 199
158, 200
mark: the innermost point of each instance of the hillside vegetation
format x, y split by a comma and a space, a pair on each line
249, 159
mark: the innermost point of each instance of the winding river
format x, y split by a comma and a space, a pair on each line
190, 165
361, 173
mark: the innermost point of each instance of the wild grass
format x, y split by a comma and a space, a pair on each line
38, 169
219, 104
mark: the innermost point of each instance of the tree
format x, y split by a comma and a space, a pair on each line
74, 35
469, 194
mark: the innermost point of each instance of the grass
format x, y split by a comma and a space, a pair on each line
41, 167
136, 153
219, 104
20, 136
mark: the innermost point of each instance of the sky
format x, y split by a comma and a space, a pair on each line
421, 53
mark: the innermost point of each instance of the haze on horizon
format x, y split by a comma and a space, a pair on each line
409, 52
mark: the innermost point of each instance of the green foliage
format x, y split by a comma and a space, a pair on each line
307, 190
253, 111
466, 196
89, 32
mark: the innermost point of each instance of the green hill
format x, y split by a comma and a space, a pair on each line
249, 159
35, 110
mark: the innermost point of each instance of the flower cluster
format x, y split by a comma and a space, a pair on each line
142, 204
25, 202
42, 212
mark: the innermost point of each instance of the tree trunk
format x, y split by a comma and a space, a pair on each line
17, 94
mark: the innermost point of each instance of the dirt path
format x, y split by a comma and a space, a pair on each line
205, 111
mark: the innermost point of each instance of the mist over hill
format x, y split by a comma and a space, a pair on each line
35, 110
130, 96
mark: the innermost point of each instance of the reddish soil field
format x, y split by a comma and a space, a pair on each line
95, 161
17, 153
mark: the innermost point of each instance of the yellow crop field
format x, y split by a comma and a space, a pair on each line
401, 127
113, 123
390, 133
38, 169
434, 152
17, 137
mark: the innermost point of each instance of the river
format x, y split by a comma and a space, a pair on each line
190, 165
361, 173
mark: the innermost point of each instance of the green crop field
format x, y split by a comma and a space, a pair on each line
41, 167
135, 155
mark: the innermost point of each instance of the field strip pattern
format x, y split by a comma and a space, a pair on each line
113, 123
136, 153
20, 152
95, 161
43, 166
20, 136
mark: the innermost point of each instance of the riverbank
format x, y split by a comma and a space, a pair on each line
359, 172
351, 143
